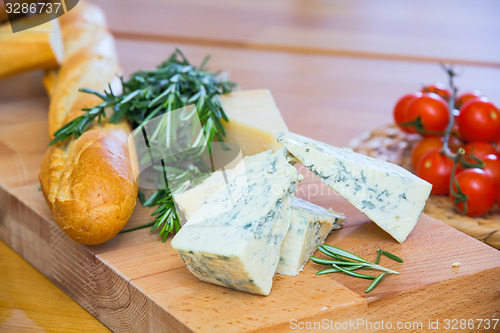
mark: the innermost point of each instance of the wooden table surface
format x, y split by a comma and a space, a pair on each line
335, 69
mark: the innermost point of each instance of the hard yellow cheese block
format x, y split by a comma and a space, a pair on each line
254, 120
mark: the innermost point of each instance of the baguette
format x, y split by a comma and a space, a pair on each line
39, 47
83, 30
87, 182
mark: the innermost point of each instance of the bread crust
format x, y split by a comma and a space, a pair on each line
81, 70
87, 182
83, 31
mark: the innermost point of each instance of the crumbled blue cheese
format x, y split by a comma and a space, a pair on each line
234, 238
309, 227
389, 195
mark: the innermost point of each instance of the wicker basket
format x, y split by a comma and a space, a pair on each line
391, 144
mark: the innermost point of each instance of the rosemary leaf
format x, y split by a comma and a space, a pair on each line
151, 201
334, 270
337, 262
350, 263
343, 253
321, 261
375, 282
355, 274
322, 249
141, 196
390, 255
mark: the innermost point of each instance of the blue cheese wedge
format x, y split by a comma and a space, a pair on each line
389, 195
309, 227
234, 238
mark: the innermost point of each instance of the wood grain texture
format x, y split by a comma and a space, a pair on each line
136, 283
29, 302
452, 31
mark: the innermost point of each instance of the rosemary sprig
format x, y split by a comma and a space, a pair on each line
173, 84
147, 94
80, 124
347, 262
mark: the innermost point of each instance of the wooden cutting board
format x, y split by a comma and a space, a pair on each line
137, 283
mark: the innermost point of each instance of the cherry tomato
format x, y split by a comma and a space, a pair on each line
478, 120
400, 111
436, 168
432, 110
422, 147
438, 89
478, 186
492, 167
465, 97
479, 149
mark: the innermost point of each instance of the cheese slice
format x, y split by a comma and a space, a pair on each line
254, 120
309, 227
234, 238
389, 195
